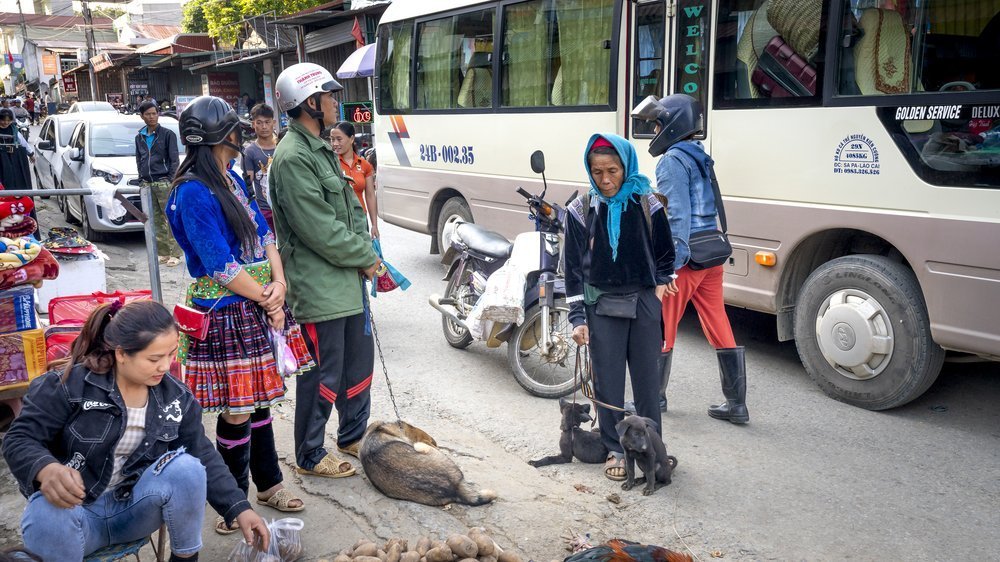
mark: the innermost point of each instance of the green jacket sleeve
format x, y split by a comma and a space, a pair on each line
314, 220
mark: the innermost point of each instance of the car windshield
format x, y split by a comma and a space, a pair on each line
118, 139
66, 131
95, 106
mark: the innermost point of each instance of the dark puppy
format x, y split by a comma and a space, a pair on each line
645, 447
586, 446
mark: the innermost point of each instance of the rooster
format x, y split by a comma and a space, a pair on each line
618, 550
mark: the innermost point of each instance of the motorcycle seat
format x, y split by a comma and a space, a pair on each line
484, 241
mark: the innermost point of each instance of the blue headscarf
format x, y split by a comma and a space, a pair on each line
635, 186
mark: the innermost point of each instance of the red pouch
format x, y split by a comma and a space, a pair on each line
191, 321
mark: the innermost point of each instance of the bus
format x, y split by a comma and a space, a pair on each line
857, 144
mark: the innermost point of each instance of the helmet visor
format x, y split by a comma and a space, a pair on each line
648, 109
331, 86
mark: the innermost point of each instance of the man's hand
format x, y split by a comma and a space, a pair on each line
253, 527
61, 485
668, 290
370, 272
274, 296
581, 335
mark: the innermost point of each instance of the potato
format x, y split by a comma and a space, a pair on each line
423, 545
394, 553
484, 544
359, 543
348, 552
410, 556
440, 554
381, 555
403, 545
437, 544
468, 560
508, 556
488, 558
463, 546
366, 559
342, 558
366, 549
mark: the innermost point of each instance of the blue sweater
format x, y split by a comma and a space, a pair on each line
690, 200
210, 246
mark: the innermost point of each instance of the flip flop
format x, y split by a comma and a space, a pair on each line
280, 500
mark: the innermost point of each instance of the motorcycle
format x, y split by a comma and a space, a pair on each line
23, 125
540, 350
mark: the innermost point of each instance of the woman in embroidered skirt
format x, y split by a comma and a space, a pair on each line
240, 283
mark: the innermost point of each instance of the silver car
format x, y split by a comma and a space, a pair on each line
103, 146
91, 106
53, 140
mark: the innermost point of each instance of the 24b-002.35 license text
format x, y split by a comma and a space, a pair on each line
449, 154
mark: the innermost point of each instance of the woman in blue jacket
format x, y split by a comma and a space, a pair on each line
112, 446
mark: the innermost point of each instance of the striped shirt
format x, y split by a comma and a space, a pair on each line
135, 431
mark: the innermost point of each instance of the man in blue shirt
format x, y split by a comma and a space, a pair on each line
157, 159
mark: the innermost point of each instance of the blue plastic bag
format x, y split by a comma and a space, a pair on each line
387, 277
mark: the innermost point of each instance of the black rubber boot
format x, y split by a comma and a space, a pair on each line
175, 558
664, 365
233, 443
733, 373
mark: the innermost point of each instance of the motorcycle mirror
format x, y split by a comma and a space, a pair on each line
572, 197
538, 162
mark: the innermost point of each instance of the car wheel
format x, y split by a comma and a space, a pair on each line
863, 334
68, 212
453, 210
38, 185
88, 231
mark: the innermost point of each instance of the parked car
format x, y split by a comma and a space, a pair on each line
53, 139
103, 146
91, 106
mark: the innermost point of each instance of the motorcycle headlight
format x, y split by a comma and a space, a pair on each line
109, 175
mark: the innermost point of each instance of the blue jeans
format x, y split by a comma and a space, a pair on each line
175, 494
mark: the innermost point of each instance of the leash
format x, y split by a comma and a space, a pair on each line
378, 346
584, 372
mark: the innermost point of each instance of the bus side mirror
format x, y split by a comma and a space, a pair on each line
538, 162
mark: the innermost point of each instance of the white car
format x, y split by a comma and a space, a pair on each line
103, 146
91, 106
53, 139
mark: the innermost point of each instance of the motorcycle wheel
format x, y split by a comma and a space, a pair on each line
551, 375
457, 336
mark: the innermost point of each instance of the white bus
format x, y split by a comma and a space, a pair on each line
857, 143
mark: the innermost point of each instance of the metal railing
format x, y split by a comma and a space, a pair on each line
149, 227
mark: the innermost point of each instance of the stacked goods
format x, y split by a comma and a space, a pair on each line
81, 266
475, 546
68, 314
22, 344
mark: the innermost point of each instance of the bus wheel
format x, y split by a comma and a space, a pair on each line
454, 209
862, 332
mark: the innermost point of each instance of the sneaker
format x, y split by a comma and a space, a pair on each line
329, 467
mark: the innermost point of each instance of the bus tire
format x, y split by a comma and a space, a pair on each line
452, 210
863, 333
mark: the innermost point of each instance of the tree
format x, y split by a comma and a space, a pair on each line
193, 19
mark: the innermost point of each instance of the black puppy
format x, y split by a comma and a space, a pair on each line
574, 441
645, 447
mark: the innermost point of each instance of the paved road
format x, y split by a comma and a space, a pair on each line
808, 479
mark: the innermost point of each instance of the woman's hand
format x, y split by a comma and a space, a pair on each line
277, 319
274, 296
581, 335
253, 527
668, 290
61, 485
374, 231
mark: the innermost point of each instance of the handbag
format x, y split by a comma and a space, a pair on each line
193, 322
710, 248
621, 305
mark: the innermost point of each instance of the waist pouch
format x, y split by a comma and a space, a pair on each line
709, 248
621, 305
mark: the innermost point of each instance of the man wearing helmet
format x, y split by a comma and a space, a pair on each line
325, 245
683, 175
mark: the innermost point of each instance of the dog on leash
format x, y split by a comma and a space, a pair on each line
575, 442
643, 446
403, 462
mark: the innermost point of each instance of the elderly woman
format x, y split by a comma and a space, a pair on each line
619, 267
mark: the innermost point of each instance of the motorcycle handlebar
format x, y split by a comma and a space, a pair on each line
523, 193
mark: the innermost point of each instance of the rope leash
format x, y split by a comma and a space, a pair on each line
584, 372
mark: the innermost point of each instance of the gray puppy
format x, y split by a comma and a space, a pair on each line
643, 446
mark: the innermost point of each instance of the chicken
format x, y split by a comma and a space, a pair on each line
618, 550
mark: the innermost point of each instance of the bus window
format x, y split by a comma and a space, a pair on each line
454, 61
394, 67
650, 28
766, 51
557, 53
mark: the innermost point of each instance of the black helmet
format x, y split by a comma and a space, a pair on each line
679, 116
208, 120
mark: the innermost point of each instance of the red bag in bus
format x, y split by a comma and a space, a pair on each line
783, 73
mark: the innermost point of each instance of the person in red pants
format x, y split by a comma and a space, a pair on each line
683, 176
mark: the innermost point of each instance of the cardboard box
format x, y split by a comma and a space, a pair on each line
22, 358
17, 309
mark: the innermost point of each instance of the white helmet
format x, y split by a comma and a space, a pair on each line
300, 81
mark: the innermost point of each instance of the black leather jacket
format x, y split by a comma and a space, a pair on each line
160, 161
78, 423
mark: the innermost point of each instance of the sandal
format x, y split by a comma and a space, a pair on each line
173, 261
614, 468
222, 528
281, 499
329, 467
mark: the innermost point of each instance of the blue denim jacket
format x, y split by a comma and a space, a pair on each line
78, 423
690, 201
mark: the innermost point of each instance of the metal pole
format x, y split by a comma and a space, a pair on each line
152, 252
89, 31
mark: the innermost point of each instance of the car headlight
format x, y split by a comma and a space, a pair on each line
110, 175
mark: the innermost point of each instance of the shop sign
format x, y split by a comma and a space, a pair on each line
180, 102
69, 83
138, 88
225, 85
101, 62
359, 113
50, 64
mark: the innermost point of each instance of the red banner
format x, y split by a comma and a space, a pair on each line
225, 85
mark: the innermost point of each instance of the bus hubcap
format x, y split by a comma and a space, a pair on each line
855, 334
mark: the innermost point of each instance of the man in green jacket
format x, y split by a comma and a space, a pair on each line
325, 246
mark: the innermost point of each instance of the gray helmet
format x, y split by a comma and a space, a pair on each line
679, 116
300, 81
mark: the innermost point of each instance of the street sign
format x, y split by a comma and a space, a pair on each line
359, 113
69, 83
